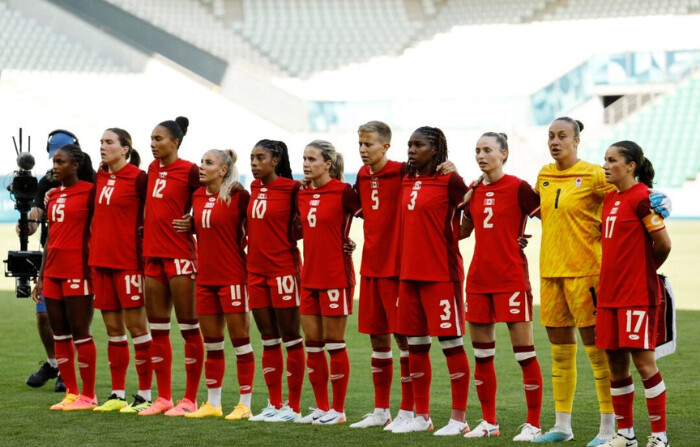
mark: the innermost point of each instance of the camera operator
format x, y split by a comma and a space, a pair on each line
49, 368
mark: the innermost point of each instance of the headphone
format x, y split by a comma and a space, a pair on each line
65, 132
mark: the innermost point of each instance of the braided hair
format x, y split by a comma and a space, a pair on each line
437, 139
76, 155
278, 150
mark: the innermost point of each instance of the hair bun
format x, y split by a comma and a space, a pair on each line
184, 123
580, 125
504, 135
232, 154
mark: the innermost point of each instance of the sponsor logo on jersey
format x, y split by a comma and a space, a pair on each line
135, 297
286, 297
416, 185
545, 184
334, 305
578, 182
316, 196
490, 194
515, 311
212, 199
445, 325
112, 176
236, 303
263, 189
633, 337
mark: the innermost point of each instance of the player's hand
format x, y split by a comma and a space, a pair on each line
36, 293
349, 247
523, 240
446, 167
235, 186
46, 197
183, 225
660, 203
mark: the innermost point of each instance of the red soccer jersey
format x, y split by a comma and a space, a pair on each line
628, 272
499, 211
272, 248
69, 215
169, 197
430, 228
326, 215
119, 201
221, 237
380, 194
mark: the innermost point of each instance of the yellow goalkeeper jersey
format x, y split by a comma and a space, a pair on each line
571, 203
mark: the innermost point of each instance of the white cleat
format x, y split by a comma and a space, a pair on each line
417, 424
404, 417
265, 414
379, 418
528, 433
311, 417
453, 428
483, 430
619, 440
333, 417
284, 414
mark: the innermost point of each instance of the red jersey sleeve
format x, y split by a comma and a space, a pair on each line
456, 189
529, 200
351, 201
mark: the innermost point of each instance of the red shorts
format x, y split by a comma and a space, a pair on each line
117, 289
281, 292
430, 308
59, 288
510, 307
378, 300
164, 269
326, 302
624, 328
214, 300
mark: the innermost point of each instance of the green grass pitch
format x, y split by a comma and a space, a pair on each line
26, 419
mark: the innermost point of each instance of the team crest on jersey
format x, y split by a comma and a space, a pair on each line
578, 182
162, 174
374, 184
416, 186
209, 205
489, 202
314, 202
262, 195
613, 211
111, 182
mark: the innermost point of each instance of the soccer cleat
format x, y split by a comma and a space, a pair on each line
333, 417
528, 433
67, 400
207, 410
82, 403
600, 439
399, 420
284, 414
311, 417
453, 428
238, 413
60, 387
159, 406
416, 424
114, 403
655, 441
265, 414
183, 407
618, 440
554, 435
483, 430
378, 418
138, 405
42, 375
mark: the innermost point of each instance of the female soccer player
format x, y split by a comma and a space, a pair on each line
498, 286
117, 275
171, 266
430, 290
635, 244
571, 194
222, 298
326, 208
64, 278
274, 265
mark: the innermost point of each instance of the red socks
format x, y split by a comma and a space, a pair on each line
485, 380
118, 357
458, 367
245, 364
406, 385
382, 375
340, 372
162, 356
623, 402
532, 382
65, 357
215, 364
295, 370
272, 364
655, 392
421, 373
142, 360
87, 362
317, 365
194, 356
